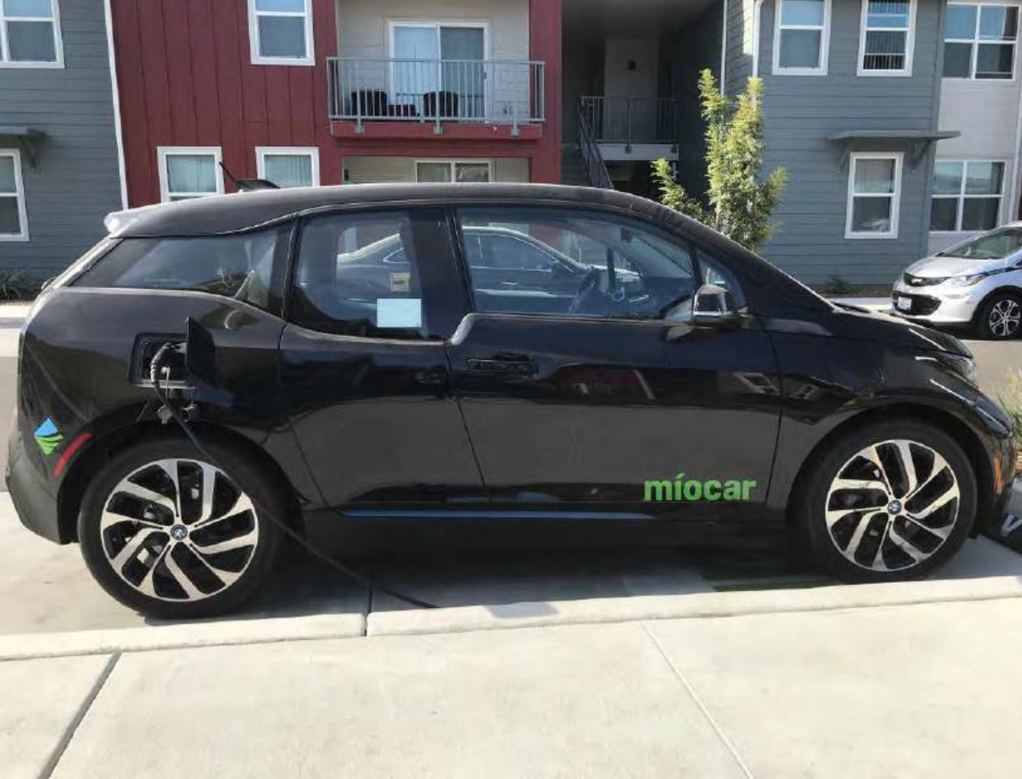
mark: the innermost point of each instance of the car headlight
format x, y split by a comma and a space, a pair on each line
973, 278
961, 366
966, 281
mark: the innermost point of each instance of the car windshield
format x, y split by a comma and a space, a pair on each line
995, 245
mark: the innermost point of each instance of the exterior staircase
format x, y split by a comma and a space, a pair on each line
573, 169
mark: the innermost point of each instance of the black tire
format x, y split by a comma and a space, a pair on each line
814, 498
991, 322
254, 567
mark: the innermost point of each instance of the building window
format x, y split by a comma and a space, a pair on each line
459, 171
802, 37
187, 172
289, 167
30, 34
888, 28
281, 32
874, 193
966, 195
13, 219
980, 41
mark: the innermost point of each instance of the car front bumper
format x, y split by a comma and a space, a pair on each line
947, 307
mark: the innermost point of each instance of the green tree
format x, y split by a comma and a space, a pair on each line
739, 200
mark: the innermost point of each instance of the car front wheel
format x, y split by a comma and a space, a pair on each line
175, 536
1000, 317
890, 502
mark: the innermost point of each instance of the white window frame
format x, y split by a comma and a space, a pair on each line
976, 42
253, 34
163, 152
58, 40
288, 151
853, 160
961, 197
453, 162
19, 195
910, 37
824, 42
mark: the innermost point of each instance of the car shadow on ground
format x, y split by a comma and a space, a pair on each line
305, 586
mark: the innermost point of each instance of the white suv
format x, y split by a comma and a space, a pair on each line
976, 283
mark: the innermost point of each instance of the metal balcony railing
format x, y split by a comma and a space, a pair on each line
413, 90
631, 119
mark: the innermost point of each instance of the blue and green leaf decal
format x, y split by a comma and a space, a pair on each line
48, 437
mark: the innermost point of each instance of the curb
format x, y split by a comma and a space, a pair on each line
693, 606
466, 619
32, 646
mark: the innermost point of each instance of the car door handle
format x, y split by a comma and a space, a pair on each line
504, 364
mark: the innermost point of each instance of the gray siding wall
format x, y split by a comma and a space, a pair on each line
78, 179
801, 111
738, 65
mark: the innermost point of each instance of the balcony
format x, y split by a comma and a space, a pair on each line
421, 98
632, 128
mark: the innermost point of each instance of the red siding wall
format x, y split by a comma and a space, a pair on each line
186, 79
545, 44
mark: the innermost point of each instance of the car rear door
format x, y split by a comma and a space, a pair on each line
576, 407
364, 363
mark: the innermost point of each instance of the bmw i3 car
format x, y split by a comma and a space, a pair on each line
614, 365
976, 283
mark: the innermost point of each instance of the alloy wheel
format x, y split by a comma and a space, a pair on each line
1005, 317
892, 505
179, 530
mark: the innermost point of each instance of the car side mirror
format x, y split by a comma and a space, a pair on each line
714, 306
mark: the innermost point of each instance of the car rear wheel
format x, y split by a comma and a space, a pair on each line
173, 535
891, 502
1000, 316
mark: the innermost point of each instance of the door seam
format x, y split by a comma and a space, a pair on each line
464, 422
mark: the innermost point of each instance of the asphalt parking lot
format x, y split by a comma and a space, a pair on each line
46, 588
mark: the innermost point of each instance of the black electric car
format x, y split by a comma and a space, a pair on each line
489, 353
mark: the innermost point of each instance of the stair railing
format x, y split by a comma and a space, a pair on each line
592, 158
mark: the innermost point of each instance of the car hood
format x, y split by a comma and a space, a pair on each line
943, 267
864, 325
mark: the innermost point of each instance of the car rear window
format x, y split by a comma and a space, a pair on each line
235, 266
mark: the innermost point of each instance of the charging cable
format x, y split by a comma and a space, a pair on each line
170, 411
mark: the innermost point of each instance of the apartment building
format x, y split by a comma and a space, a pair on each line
60, 168
898, 121
310, 92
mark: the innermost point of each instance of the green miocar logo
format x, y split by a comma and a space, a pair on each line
691, 490
48, 436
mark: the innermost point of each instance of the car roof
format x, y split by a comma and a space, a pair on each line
221, 214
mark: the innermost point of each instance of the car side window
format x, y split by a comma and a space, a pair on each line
572, 262
358, 275
237, 266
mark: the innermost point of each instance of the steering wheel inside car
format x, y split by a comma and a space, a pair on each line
587, 290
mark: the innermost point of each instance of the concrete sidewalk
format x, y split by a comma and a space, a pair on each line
925, 684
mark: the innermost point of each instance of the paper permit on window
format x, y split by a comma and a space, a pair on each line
399, 312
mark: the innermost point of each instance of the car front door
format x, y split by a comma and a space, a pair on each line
595, 403
373, 296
